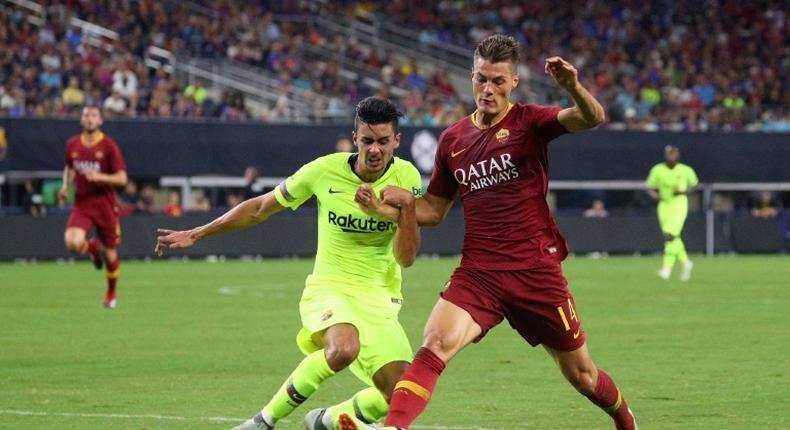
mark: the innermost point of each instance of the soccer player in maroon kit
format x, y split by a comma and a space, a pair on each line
95, 164
497, 159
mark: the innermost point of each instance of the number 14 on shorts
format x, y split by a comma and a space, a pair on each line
573, 317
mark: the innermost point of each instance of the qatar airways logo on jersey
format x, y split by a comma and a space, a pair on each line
83, 166
489, 172
351, 224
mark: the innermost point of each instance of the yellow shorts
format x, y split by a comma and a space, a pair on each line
381, 337
671, 218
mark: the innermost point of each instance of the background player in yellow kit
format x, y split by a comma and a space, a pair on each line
669, 183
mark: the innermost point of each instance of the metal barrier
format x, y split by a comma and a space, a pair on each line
712, 234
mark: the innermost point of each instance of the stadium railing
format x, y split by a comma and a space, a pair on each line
456, 57
368, 34
186, 185
96, 35
260, 90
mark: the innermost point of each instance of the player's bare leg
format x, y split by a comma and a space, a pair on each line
75, 239
578, 368
113, 271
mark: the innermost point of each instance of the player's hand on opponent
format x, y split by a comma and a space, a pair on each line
173, 240
396, 196
370, 203
562, 71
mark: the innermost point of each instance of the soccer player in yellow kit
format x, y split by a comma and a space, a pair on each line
670, 183
350, 304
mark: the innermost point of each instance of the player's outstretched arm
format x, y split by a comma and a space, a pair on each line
247, 214
587, 113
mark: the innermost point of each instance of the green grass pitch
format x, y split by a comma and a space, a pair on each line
201, 346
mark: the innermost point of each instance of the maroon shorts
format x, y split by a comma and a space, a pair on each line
108, 228
536, 303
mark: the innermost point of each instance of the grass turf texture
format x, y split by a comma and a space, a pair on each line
192, 341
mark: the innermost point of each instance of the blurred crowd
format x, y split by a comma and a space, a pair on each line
674, 65
662, 65
52, 68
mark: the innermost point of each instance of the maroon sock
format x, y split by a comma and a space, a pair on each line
93, 246
413, 391
608, 398
113, 271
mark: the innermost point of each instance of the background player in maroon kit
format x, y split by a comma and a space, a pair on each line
497, 159
95, 164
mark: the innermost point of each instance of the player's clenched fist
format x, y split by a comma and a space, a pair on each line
396, 196
562, 71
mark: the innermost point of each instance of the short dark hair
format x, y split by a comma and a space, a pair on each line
93, 106
499, 48
376, 110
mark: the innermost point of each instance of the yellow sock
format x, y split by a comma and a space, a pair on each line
367, 405
302, 383
670, 253
681, 250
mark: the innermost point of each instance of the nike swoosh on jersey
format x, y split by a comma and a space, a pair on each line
576, 335
331, 191
454, 154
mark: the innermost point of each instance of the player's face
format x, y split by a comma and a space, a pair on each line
91, 119
671, 155
376, 144
492, 84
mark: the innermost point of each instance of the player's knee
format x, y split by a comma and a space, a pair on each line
109, 254
340, 356
442, 344
73, 245
582, 379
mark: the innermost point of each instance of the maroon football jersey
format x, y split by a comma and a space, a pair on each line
104, 157
501, 173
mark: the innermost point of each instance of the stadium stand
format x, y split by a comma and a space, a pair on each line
644, 63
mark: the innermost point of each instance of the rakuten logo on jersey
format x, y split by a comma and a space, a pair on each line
351, 224
83, 166
487, 172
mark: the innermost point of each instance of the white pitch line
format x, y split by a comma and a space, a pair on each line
123, 416
177, 418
